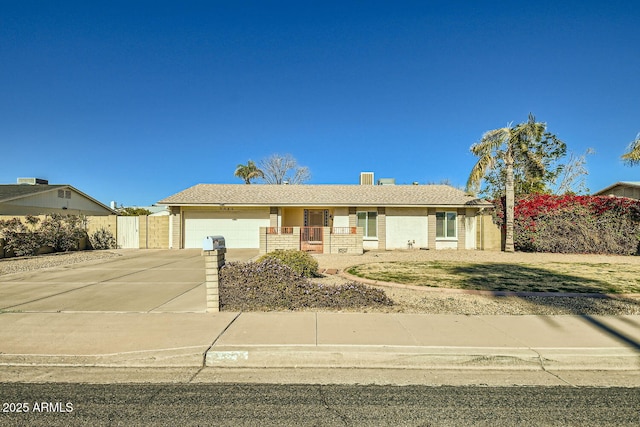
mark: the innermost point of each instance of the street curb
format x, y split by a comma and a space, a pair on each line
166, 358
350, 357
397, 357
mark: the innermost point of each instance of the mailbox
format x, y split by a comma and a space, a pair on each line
213, 243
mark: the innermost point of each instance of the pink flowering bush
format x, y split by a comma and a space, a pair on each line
575, 224
272, 285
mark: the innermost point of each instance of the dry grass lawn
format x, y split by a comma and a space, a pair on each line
573, 277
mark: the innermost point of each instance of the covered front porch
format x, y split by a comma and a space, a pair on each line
321, 240
320, 229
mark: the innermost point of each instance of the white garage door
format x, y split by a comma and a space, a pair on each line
404, 225
240, 228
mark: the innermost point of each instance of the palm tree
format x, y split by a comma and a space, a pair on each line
510, 145
248, 172
632, 157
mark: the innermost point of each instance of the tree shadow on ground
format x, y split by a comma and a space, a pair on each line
525, 278
574, 294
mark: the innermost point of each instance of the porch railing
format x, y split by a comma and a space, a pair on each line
330, 240
279, 230
343, 230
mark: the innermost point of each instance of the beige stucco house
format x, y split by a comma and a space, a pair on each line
629, 189
326, 218
33, 196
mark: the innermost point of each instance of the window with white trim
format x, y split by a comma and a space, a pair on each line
369, 223
446, 225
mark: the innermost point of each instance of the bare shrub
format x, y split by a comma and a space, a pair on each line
272, 285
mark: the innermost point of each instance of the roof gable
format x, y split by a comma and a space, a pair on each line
17, 191
13, 192
632, 184
322, 195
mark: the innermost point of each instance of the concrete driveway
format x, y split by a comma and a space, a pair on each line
137, 281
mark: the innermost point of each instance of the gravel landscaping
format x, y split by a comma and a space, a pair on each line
24, 264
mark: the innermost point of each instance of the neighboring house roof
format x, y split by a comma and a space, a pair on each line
323, 195
11, 192
604, 191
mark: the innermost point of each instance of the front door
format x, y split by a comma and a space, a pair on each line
311, 236
315, 219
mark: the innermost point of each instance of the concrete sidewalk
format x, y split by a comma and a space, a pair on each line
321, 340
413, 341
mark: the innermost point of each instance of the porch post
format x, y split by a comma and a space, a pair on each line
273, 217
382, 229
431, 229
462, 233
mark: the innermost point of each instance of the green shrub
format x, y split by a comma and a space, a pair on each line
271, 285
60, 232
20, 238
102, 239
301, 262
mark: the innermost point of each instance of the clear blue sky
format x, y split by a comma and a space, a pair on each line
133, 101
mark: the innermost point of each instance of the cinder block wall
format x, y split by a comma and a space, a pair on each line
108, 222
348, 244
92, 224
488, 234
274, 242
21, 217
176, 228
154, 232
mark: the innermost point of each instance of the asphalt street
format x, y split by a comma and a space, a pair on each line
57, 404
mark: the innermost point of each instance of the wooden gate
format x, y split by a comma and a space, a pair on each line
127, 233
311, 239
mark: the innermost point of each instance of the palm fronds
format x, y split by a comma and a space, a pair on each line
632, 156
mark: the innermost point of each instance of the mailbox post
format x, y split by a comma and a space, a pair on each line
213, 243
213, 250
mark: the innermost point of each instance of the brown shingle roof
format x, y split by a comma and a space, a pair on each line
322, 195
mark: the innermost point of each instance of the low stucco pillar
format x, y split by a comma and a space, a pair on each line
213, 261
